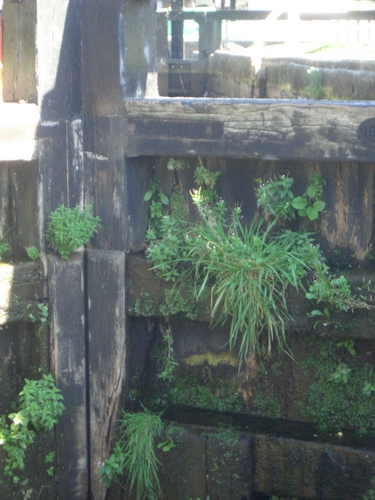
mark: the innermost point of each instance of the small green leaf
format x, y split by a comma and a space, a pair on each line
312, 213
311, 191
316, 312
163, 199
319, 205
299, 202
148, 195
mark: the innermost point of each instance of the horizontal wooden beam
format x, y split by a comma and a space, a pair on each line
262, 128
21, 290
145, 294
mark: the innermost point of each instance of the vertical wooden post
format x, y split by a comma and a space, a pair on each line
1, 57
177, 44
68, 365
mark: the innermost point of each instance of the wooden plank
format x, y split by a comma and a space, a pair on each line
68, 365
106, 354
21, 289
268, 129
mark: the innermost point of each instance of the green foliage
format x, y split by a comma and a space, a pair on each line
134, 455
180, 300
266, 406
371, 493
335, 291
33, 253
342, 394
144, 305
157, 201
275, 197
40, 405
248, 271
310, 204
4, 247
194, 392
206, 181
245, 270
168, 362
314, 87
69, 228
175, 164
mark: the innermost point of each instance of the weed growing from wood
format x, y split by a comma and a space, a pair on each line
4, 247
134, 455
69, 228
343, 393
40, 405
33, 253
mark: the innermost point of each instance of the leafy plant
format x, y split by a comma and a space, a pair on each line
310, 204
314, 87
335, 291
40, 405
4, 247
245, 270
275, 197
33, 253
70, 228
157, 200
134, 455
341, 395
168, 363
206, 181
371, 492
266, 406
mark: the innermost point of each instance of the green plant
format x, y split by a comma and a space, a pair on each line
168, 363
144, 305
248, 271
206, 181
335, 291
33, 253
310, 204
4, 246
371, 493
157, 200
245, 270
266, 406
43, 312
275, 197
202, 392
175, 164
134, 455
314, 88
342, 394
40, 405
70, 228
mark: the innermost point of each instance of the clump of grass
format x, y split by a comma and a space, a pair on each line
134, 455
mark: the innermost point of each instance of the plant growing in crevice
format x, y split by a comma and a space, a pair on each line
246, 270
134, 455
314, 87
33, 253
4, 245
40, 405
276, 198
69, 228
343, 392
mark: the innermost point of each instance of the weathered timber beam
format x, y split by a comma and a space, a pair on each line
268, 129
21, 290
146, 293
259, 15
